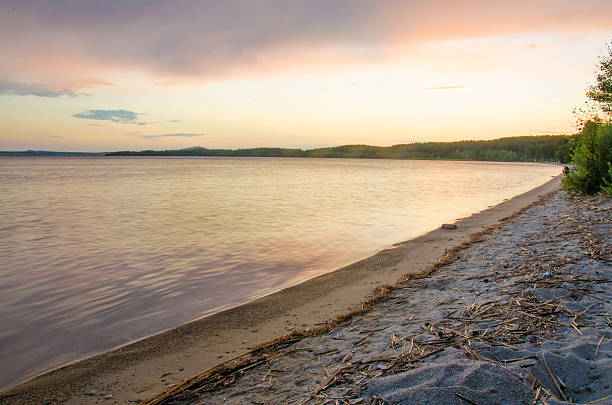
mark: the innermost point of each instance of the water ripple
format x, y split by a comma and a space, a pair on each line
100, 251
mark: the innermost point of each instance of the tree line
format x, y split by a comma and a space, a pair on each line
543, 148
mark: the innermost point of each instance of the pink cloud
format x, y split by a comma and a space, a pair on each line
61, 40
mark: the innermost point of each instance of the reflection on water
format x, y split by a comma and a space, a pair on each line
97, 252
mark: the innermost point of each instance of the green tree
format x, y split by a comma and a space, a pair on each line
592, 158
601, 92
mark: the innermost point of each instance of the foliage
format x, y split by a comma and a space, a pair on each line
592, 158
601, 93
545, 148
607, 187
592, 154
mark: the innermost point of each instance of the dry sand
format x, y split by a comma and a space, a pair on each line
141, 370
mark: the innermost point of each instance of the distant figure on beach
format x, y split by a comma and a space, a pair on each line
566, 170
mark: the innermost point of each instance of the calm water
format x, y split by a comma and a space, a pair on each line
97, 252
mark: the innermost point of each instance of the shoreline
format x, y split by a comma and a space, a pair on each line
132, 372
519, 314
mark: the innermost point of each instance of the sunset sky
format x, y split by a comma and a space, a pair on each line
99, 75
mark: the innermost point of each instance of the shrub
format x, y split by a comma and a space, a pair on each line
592, 158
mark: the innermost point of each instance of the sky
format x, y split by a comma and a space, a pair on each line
97, 75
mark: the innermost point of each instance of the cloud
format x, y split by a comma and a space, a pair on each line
178, 135
50, 88
36, 89
224, 38
119, 116
455, 87
175, 121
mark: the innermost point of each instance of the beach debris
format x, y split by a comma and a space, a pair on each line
96, 393
449, 226
466, 399
598, 400
554, 379
598, 344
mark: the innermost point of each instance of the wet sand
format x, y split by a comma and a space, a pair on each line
142, 369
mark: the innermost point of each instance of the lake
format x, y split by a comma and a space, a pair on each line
99, 251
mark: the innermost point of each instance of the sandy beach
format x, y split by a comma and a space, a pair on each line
144, 369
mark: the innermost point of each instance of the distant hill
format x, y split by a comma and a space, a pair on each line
48, 153
542, 148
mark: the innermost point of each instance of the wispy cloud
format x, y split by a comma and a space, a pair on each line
119, 116
455, 87
175, 121
50, 88
177, 135
35, 89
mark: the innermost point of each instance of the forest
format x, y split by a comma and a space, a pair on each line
541, 148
